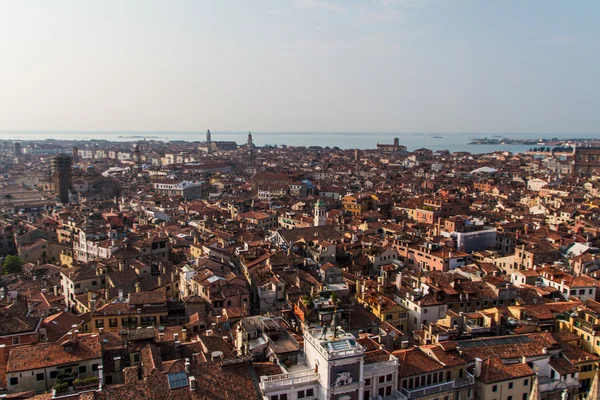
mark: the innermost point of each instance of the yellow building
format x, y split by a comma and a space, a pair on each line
496, 380
384, 308
427, 373
585, 324
353, 205
138, 310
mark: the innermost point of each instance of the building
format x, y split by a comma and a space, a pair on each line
7, 242
320, 217
62, 175
37, 367
338, 366
18, 152
496, 379
138, 310
587, 160
182, 188
392, 148
208, 139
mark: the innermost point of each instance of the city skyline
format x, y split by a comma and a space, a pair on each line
305, 65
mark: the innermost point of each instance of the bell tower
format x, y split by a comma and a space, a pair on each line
319, 214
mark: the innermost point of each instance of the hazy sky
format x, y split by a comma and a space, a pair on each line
301, 65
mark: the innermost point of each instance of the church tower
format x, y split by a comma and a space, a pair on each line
319, 217
250, 144
208, 138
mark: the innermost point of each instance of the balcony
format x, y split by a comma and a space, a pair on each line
379, 365
587, 326
283, 380
437, 388
548, 384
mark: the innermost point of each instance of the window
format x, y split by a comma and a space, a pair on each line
95, 367
301, 394
367, 382
381, 379
16, 340
524, 396
309, 392
112, 322
82, 369
99, 323
526, 382
13, 381
510, 385
39, 377
495, 388
53, 374
509, 398
388, 378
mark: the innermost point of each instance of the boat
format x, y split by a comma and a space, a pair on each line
437, 137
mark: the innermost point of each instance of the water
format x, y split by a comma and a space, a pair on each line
346, 140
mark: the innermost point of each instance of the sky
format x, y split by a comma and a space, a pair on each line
301, 65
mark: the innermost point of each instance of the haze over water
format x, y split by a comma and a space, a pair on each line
345, 140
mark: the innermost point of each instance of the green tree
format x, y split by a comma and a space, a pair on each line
334, 298
12, 264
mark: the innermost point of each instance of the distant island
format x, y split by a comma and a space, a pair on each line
138, 137
538, 142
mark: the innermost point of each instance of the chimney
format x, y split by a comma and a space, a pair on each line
138, 287
92, 305
55, 290
192, 383
478, 363
187, 365
117, 360
75, 333
185, 334
176, 337
3, 359
100, 376
100, 335
121, 265
120, 295
160, 280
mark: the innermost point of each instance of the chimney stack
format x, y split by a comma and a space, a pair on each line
138, 287
478, 363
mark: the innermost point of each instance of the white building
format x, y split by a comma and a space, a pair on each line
336, 369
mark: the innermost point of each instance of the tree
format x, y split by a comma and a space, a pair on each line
12, 265
334, 298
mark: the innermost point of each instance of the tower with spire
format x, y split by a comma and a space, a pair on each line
319, 213
250, 145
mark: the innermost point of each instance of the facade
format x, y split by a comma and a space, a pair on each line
338, 367
185, 189
587, 160
37, 367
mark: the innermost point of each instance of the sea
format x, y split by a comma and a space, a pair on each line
452, 142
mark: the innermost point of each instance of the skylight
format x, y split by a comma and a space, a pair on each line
177, 380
